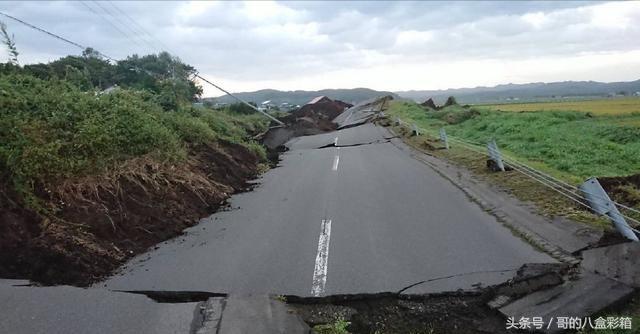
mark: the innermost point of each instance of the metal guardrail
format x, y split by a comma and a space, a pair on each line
590, 194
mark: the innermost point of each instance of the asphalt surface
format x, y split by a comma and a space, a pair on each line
361, 217
65, 309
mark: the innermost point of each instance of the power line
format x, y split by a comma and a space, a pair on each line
102, 54
135, 37
228, 93
108, 22
239, 99
54, 35
139, 27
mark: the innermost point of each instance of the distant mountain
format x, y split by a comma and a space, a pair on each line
526, 92
301, 96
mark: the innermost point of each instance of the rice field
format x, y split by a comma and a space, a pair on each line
601, 107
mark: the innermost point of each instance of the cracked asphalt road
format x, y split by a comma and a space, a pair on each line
347, 219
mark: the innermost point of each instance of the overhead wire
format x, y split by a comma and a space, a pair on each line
104, 18
140, 28
56, 36
82, 47
224, 90
131, 32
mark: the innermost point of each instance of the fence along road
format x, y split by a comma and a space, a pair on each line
589, 195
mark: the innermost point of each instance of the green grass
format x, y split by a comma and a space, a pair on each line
569, 144
337, 327
51, 130
609, 106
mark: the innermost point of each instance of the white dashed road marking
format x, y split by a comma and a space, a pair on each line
322, 259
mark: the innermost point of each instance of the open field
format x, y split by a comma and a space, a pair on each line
571, 144
610, 106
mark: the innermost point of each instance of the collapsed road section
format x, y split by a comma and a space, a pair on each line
322, 115
441, 251
542, 289
313, 118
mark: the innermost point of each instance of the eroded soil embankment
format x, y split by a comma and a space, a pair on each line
96, 223
625, 189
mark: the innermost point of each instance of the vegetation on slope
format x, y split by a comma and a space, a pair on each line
90, 177
51, 130
569, 142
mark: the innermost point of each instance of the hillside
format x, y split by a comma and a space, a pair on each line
301, 96
528, 92
90, 178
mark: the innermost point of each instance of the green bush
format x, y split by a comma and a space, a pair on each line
51, 130
190, 128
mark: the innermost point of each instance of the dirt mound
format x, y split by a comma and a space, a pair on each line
429, 104
623, 189
313, 118
317, 113
95, 224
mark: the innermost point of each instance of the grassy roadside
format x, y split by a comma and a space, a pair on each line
571, 145
549, 141
52, 131
611, 142
88, 180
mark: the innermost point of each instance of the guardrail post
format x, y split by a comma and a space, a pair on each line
495, 155
601, 204
443, 138
416, 131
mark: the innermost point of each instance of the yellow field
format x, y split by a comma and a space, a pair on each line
611, 106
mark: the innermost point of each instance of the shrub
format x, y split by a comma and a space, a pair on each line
51, 130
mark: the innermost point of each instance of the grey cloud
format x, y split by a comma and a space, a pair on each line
308, 38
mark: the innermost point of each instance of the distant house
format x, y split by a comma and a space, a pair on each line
286, 106
267, 105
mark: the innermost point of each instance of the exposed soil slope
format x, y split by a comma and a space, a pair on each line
96, 223
313, 118
625, 189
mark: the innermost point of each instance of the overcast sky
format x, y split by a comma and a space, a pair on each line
382, 45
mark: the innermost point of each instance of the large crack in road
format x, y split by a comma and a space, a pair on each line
396, 225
